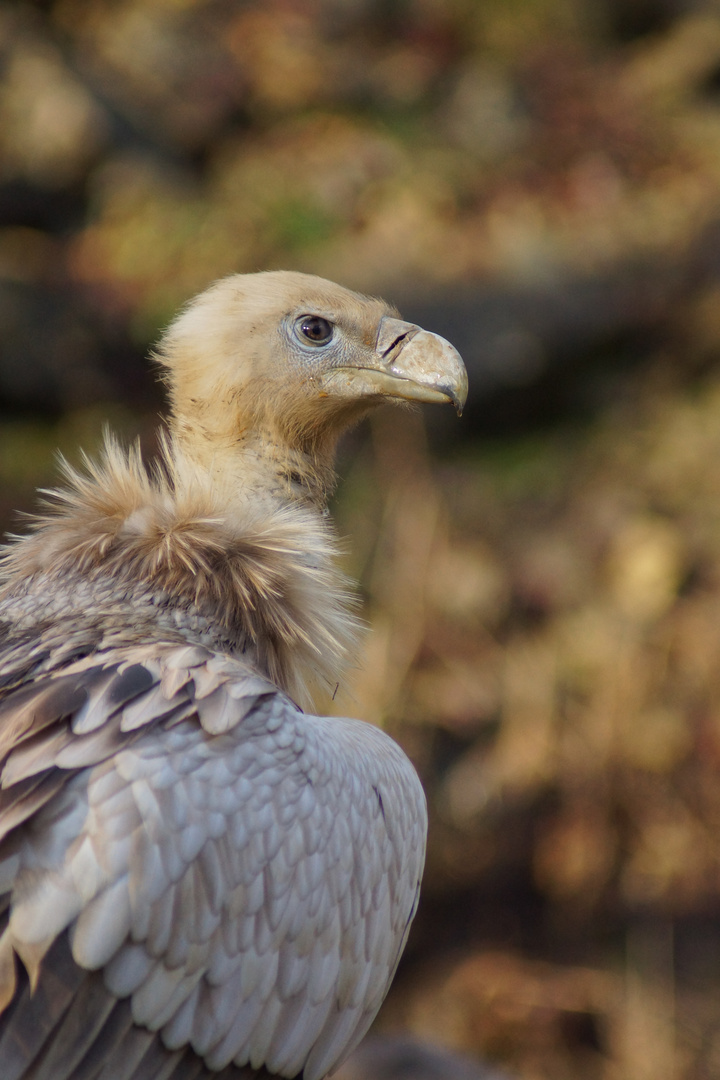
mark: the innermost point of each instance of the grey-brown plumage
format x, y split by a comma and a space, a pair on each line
196, 878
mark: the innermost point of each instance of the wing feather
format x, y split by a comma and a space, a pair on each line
120, 686
102, 926
25, 798
79, 1029
31, 1017
30, 710
237, 873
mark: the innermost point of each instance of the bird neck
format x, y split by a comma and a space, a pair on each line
258, 465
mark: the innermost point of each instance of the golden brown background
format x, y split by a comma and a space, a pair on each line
539, 180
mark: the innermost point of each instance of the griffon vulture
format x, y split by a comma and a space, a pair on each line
197, 878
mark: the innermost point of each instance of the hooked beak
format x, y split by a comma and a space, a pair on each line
409, 363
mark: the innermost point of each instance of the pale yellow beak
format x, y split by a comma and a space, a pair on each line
409, 363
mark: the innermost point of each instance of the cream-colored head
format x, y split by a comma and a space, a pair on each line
265, 371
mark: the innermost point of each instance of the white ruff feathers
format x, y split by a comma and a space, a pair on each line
265, 574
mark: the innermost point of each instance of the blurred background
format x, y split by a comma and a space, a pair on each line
539, 181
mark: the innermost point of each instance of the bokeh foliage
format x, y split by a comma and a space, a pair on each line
542, 581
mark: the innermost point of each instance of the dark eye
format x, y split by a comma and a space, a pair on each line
315, 329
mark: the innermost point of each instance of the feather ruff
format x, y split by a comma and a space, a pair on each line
266, 574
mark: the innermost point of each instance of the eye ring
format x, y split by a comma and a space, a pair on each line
314, 330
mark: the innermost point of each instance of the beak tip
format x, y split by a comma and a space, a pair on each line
457, 389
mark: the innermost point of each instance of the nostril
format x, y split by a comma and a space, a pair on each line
392, 335
394, 345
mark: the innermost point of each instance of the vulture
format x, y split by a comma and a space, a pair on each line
198, 878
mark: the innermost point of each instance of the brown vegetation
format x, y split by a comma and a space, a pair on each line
543, 600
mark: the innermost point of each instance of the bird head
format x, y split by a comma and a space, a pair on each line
273, 366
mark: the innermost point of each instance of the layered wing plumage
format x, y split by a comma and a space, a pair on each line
220, 867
